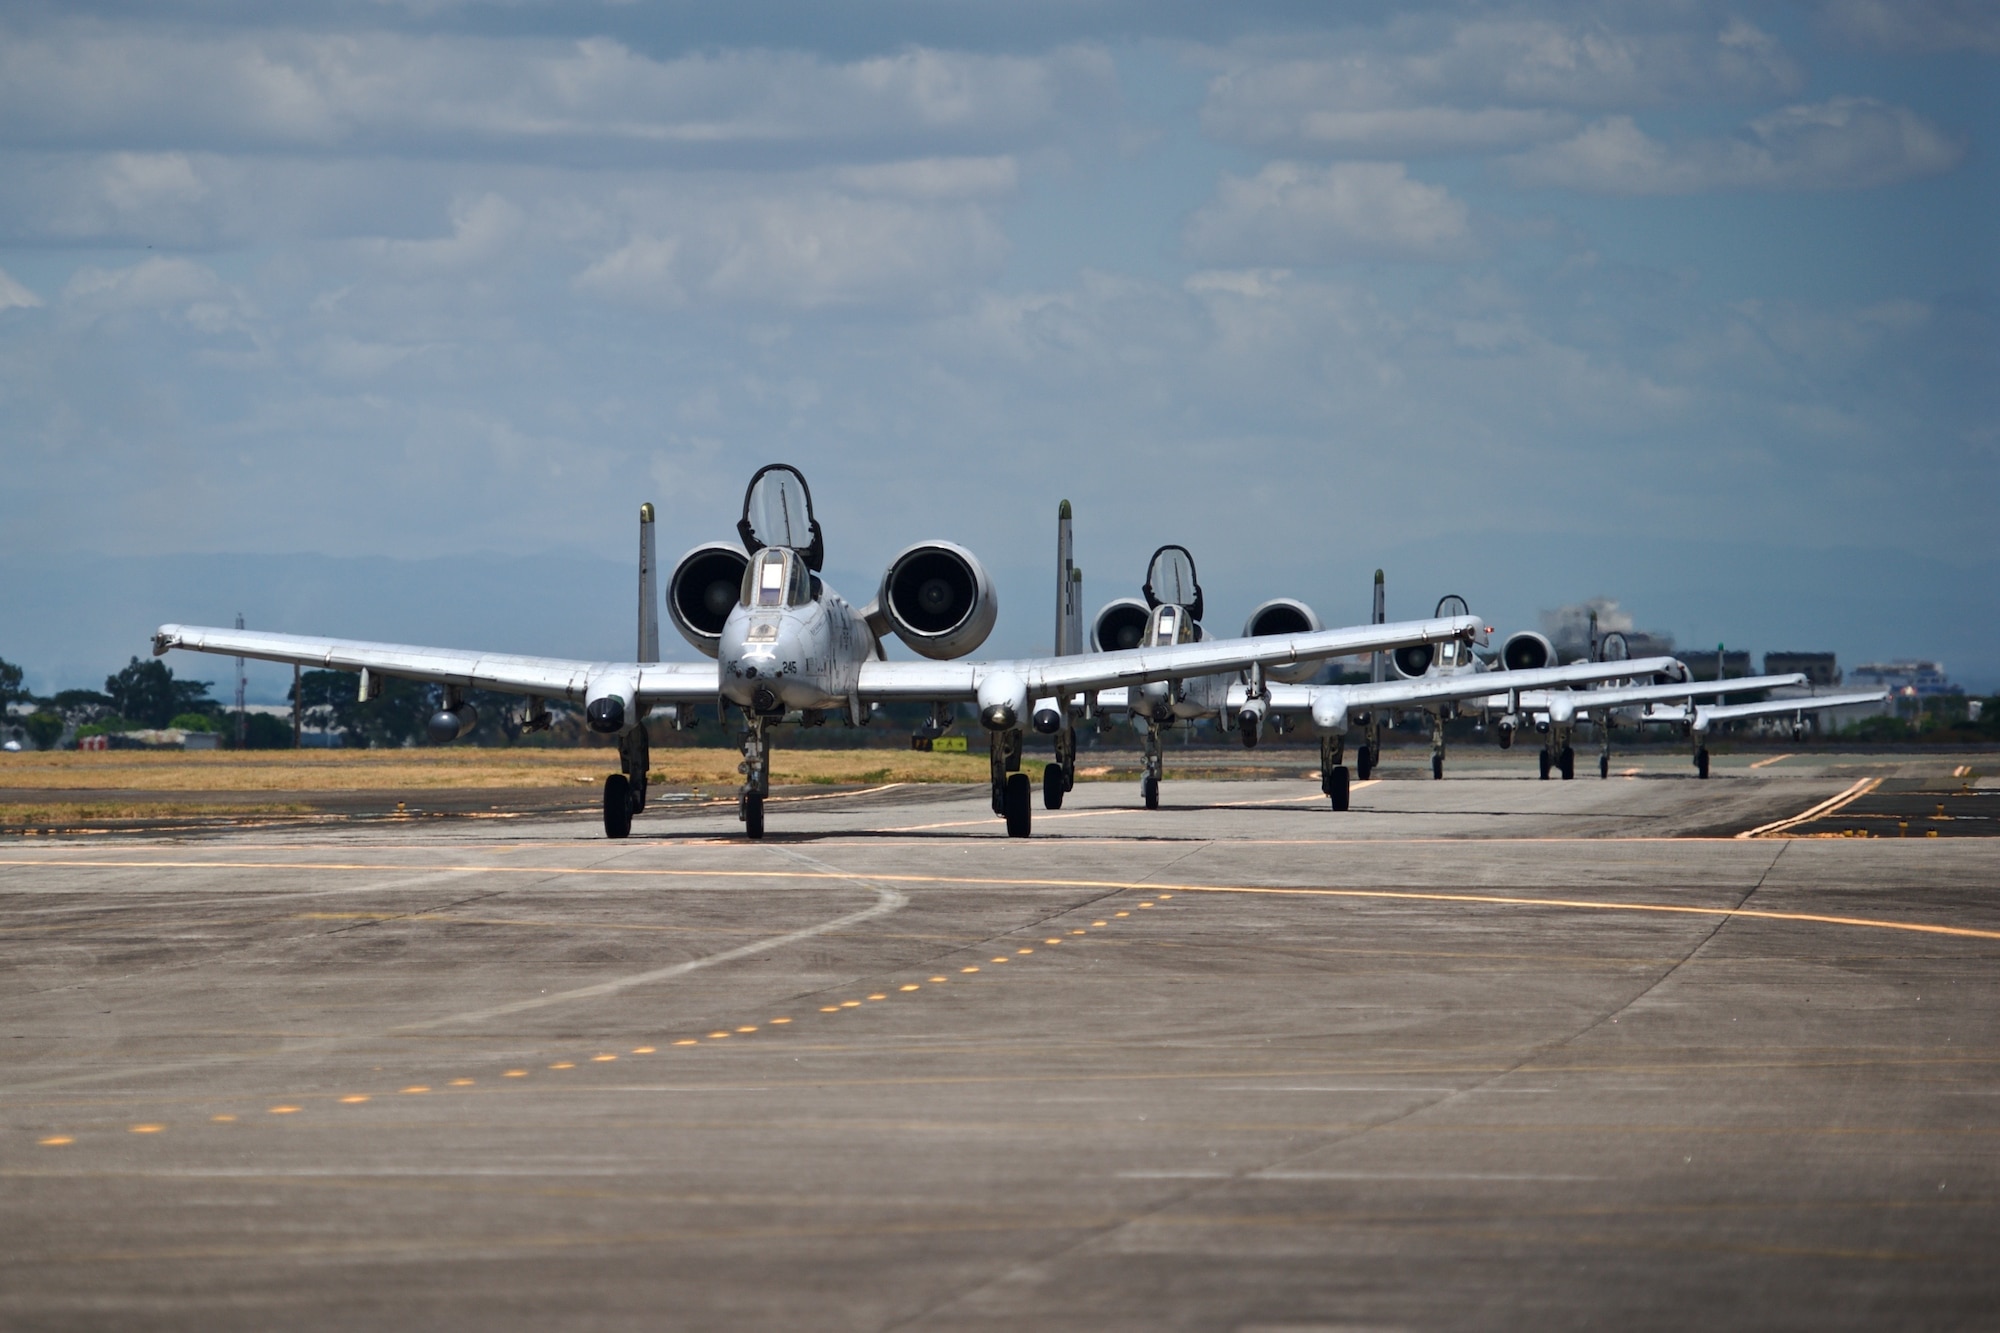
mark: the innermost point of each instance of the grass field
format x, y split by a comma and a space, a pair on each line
418, 770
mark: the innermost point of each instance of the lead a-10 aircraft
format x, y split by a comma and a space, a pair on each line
1436, 678
788, 648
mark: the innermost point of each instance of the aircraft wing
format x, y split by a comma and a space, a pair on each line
1804, 703
546, 677
1459, 685
1628, 696
1043, 677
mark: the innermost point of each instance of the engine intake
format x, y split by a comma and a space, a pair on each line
706, 584
1120, 625
1283, 615
1413, 660
938, 600
1527, 651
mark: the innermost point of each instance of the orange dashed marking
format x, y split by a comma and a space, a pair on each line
1056, 940
1100, 923
776, 1021
56, 1141
642, 1050
147, 1129
602, 1059
415, 1088
354, 1099
999, 960
717, 1036
563, 1064
850, 1004
912, 986
1024, 951
687, 1041
751, 1028
968, 969
461, 1083
515, 1073
1121, 914
878, 997
223, 1119
284, 1110
829, 1008
937, 981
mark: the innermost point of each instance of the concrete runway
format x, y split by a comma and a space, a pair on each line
1483, 1053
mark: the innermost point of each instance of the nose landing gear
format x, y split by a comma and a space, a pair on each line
625, 790
1333, 773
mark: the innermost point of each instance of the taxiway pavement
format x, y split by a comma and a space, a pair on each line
1479, 1053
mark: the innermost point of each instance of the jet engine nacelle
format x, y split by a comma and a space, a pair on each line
1527, 651
1413, 660
705, 586
938, 600
1283, 615
1120, 625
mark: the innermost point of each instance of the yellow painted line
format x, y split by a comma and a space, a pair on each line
1774, 759
1135, 886
968, 969
938, 981
911, 986
1820, 811
603, 1059
416, 1088
461, 1083
563, 1064
648, 1050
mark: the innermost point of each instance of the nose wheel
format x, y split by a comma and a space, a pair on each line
1020, 809
752, 804
617, 806
1567, 763
1701, 762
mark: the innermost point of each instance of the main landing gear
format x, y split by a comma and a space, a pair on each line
1563, 762
625, 790
1012, 791
1437, 746
1332, 772
1060, 776
1701, 762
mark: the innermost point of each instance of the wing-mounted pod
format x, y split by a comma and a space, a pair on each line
1171, 581
1119, 625
936, 598
1417, 659
777, 511
1527, 651
705, 585
1284, 615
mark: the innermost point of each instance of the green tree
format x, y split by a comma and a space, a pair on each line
44, 728
147, 693
10, 685
266, 732
81, 707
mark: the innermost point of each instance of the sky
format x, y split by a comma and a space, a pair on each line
380, 319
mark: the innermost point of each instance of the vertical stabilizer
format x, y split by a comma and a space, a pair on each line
649, 592
1069, 589
1377, 668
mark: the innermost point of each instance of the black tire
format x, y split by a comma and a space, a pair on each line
1437, 768
1567, 763
1020, 805
1604, 766
753, 816
1053, 786
1364, 763
1336, 786
1546, 765
1701, 762
1149, 791
617, 806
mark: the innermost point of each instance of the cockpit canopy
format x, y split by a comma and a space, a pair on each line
776, 577
777, 512
1170, 580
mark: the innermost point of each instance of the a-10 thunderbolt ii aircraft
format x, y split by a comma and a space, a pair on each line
1435, 678
787, 648
1556, 714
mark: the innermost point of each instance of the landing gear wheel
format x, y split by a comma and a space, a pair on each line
1336, 787
1546, 765
1149, 791
1567, 762
753, 815
1604, 766
1437, 768
1364, 763
1020, 809
1053, 786
617, 806
1701, 762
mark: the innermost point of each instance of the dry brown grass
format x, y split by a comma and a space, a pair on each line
404, 770
42, 813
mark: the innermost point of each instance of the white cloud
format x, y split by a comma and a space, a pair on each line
1294, 213
1478, 85
13, 296
804, 248
934, 177
1935, 26
148, 285
482, 229
92, 86
1848, 143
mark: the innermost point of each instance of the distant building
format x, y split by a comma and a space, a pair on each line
1818, 668
1701, 666
1908, 679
